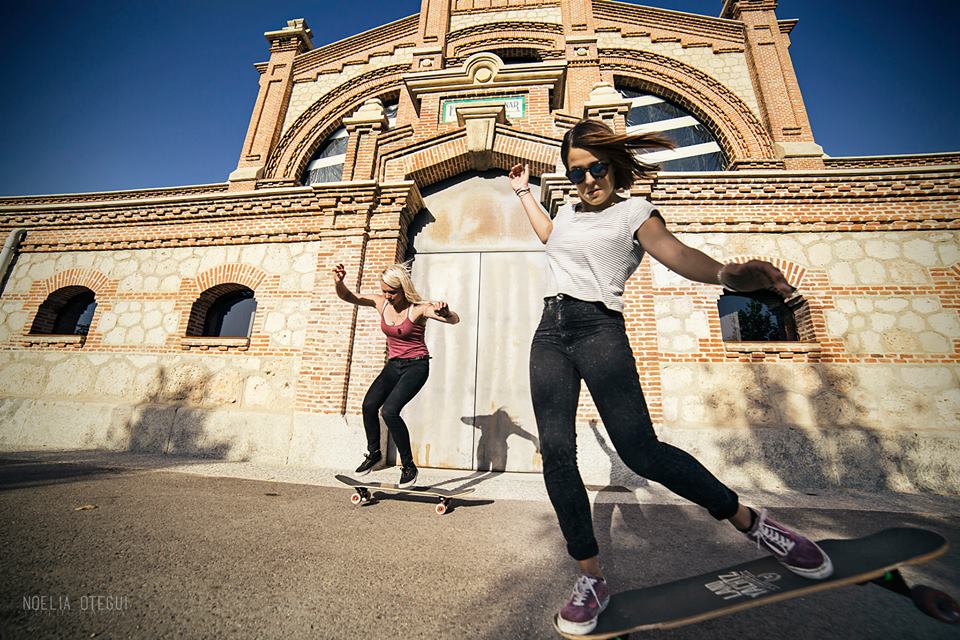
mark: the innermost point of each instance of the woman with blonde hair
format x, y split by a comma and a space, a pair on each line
592, 248
403, 318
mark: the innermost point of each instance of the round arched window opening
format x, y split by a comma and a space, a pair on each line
327, 163
759, 316
697, 148
67, 311
231, 315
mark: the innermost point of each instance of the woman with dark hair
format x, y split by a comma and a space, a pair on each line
592, 248
403, 318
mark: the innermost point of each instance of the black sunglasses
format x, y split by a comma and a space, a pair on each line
598, 169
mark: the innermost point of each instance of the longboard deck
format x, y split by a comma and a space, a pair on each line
759, 582
416, 489
362, 491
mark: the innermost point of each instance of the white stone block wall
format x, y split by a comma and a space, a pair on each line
145, 393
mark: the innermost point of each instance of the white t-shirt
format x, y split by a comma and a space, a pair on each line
591, 254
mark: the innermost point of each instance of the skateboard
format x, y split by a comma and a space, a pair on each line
875, 559
363, 492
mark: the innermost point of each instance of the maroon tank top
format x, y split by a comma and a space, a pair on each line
404, 340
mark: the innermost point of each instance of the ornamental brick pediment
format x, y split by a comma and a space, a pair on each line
487, 72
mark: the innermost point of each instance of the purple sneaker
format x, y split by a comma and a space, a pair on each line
590, 597
794, 551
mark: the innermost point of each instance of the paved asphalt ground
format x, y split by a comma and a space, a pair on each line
184, 549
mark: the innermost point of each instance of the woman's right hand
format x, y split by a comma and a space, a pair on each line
339, 273
519, 176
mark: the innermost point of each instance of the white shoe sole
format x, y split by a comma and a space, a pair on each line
580, 628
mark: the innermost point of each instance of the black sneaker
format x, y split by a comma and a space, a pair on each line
369, 460
408, 475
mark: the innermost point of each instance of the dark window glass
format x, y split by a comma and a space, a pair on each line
757, 316
76, 315
706, 162
231, 315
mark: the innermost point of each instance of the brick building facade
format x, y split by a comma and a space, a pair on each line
394, 144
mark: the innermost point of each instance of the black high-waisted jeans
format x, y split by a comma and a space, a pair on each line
579, 340
400, 380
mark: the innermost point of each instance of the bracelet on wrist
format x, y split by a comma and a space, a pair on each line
522, 192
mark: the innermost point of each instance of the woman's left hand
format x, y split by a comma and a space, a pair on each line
440, 308
755, 275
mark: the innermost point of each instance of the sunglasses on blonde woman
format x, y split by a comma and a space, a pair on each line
578, 174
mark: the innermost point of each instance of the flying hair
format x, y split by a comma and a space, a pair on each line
620, 150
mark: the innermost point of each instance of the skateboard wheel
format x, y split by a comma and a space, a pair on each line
355, 498
936, 604
440, 509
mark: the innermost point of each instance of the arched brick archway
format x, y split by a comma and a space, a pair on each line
298, 144
738, 130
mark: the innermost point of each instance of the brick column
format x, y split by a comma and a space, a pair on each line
364, 126
605, 103
775, 82
270, 109
581, 52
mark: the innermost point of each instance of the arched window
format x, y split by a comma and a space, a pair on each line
66, 311
756, 316
223, 311
697, 148
327, 163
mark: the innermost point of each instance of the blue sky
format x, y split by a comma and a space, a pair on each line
105, 95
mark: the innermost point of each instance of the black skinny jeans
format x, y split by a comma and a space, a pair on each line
400, 380
576, 341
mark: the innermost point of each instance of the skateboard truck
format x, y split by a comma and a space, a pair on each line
933, 602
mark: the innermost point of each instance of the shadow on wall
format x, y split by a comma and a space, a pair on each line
169, 420
841, 452
492, 446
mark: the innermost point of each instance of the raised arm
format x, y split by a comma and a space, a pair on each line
539, 220
440, 311
695, 265
371, 300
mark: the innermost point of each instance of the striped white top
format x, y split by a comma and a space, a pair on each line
591, 254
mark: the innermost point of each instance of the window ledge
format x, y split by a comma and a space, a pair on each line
53, 340
763, 351
210, 343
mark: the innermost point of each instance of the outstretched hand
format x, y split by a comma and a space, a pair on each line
339, 273
519, 176
755, 275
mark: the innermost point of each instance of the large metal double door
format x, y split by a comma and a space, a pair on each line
475, 411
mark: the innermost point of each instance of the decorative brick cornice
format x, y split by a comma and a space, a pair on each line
486, 71
739, 132
291, 215
12, 202
741, 202
690, 30
946, 159
359, 48
444, 156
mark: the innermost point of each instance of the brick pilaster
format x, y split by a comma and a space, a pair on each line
276, 83
364, 127
775, 82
